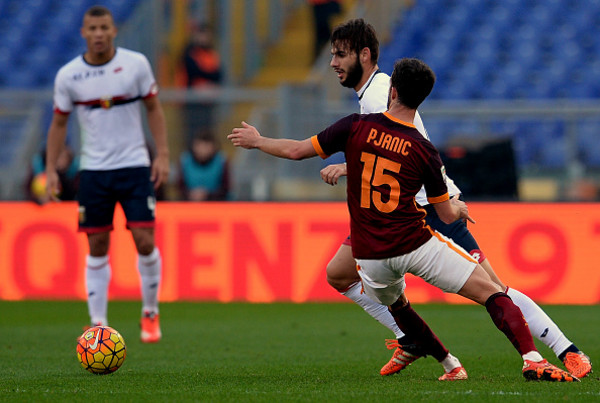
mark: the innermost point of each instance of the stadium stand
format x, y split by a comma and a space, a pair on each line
508, 50
483, 51
39, 36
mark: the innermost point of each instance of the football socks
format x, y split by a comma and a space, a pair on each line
97, 275
377, 311
149, 267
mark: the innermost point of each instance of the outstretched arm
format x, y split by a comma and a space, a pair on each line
248, 137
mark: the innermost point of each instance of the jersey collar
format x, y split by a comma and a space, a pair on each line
361, 92
402, 122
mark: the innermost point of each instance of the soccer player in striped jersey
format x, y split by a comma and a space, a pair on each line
107, 86
388, 161
355, 51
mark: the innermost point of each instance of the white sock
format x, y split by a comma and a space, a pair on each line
450, 362
533, 356
149, 267
97, 276
540, 324
378, 311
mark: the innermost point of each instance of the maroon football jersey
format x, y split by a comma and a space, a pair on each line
388, 161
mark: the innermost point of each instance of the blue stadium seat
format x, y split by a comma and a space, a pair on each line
49, 30
588, 134
509, 49
12, 132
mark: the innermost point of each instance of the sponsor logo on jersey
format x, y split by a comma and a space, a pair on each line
88, 74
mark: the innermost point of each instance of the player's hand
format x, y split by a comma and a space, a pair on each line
462, 207
246, 136
160, 170
52, 186
331, 173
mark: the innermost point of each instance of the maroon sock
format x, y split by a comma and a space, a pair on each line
415, 327
509, 319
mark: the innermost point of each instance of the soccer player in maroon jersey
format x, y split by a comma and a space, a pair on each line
355, 50
388, 161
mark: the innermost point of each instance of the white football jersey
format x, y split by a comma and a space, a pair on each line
107, 99
373, 97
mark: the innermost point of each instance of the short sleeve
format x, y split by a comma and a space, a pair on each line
62, 98
435, 176
334, 138
146, 81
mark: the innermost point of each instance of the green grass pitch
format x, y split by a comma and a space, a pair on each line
274, 353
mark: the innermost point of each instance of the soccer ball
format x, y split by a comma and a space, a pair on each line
101, 350
38, 186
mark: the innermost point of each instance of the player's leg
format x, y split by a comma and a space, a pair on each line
508, 318
540, 324
342, 275
447, 266
97, 277
149, 266
96, 210
544, 329
139, 206
384, 282
412, 324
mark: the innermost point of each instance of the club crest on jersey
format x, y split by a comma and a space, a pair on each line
106, 102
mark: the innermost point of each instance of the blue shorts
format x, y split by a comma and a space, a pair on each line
457, 231
99, 192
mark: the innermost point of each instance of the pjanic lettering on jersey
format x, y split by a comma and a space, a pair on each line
388, 142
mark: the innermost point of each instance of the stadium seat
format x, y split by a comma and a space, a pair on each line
21, 22
588, 151
510, 49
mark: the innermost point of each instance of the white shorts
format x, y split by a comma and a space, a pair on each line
439, 261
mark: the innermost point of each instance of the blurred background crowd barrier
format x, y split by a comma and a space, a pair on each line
515, 111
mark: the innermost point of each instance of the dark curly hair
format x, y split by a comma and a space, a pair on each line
355, 35
414, 80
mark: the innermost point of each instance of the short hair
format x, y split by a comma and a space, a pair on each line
98, 11
414, 80
356, 35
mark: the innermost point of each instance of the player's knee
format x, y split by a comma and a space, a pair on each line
339, 284
144, 245
341, 278
145, 248
98, 244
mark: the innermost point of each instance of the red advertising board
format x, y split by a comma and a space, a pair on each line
264, 252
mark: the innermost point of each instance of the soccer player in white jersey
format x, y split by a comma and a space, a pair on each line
106, 87
354, 59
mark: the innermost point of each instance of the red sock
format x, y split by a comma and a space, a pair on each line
509, 319
415, 327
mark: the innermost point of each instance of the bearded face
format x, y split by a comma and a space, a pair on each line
353, 75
